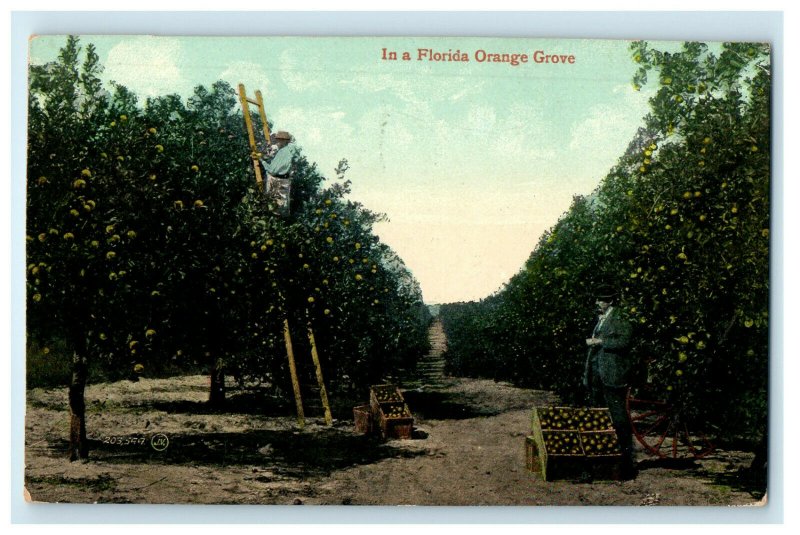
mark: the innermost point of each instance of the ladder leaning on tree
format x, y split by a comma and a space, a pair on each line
254, 154
251, 136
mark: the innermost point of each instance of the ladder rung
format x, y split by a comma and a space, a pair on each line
253, 101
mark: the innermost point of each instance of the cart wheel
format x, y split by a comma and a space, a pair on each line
659, 428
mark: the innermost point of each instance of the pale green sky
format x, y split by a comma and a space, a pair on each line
471, 161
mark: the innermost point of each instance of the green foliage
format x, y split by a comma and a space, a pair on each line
149, 244
681, 227
46, 365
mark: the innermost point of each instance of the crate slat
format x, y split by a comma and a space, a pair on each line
604, 464
553, 465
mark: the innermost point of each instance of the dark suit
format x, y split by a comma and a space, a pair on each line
611, 359
607, 375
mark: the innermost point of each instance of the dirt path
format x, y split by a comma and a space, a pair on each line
469, 450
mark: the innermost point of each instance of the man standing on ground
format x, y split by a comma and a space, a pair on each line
608, 369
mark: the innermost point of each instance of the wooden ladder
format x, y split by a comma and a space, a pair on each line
251, 136
287, 336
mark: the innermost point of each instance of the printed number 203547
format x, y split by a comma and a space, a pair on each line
124, 441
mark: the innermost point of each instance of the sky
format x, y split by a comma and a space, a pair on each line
470, 160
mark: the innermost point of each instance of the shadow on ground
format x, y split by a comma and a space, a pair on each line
436, 405
742, 480
252, 403
668, 463
290, 453
255, 402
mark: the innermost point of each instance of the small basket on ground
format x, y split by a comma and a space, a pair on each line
362, 416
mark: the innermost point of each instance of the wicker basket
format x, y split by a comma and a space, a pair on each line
362, 416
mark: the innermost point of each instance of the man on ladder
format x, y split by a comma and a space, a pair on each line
278, 171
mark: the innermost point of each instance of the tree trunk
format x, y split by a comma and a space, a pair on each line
759, 465
78, 444
216, 394
212, 325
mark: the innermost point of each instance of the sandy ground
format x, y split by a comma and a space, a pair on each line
468, 449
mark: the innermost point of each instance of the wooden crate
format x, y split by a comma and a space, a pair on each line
390, 426
555, 465
574, 420
362, 416
383, 399
603, 463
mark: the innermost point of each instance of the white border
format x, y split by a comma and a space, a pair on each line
649, 25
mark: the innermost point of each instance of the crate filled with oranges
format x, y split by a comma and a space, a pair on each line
567, 442
392, 417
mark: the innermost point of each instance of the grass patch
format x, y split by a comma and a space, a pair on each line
722, 489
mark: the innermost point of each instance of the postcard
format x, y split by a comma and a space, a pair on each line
397, 271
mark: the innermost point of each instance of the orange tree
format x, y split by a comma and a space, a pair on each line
149, 248
327, 270
89, 269
681, 226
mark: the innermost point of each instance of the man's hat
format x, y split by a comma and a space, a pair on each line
282, 134
605, 292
